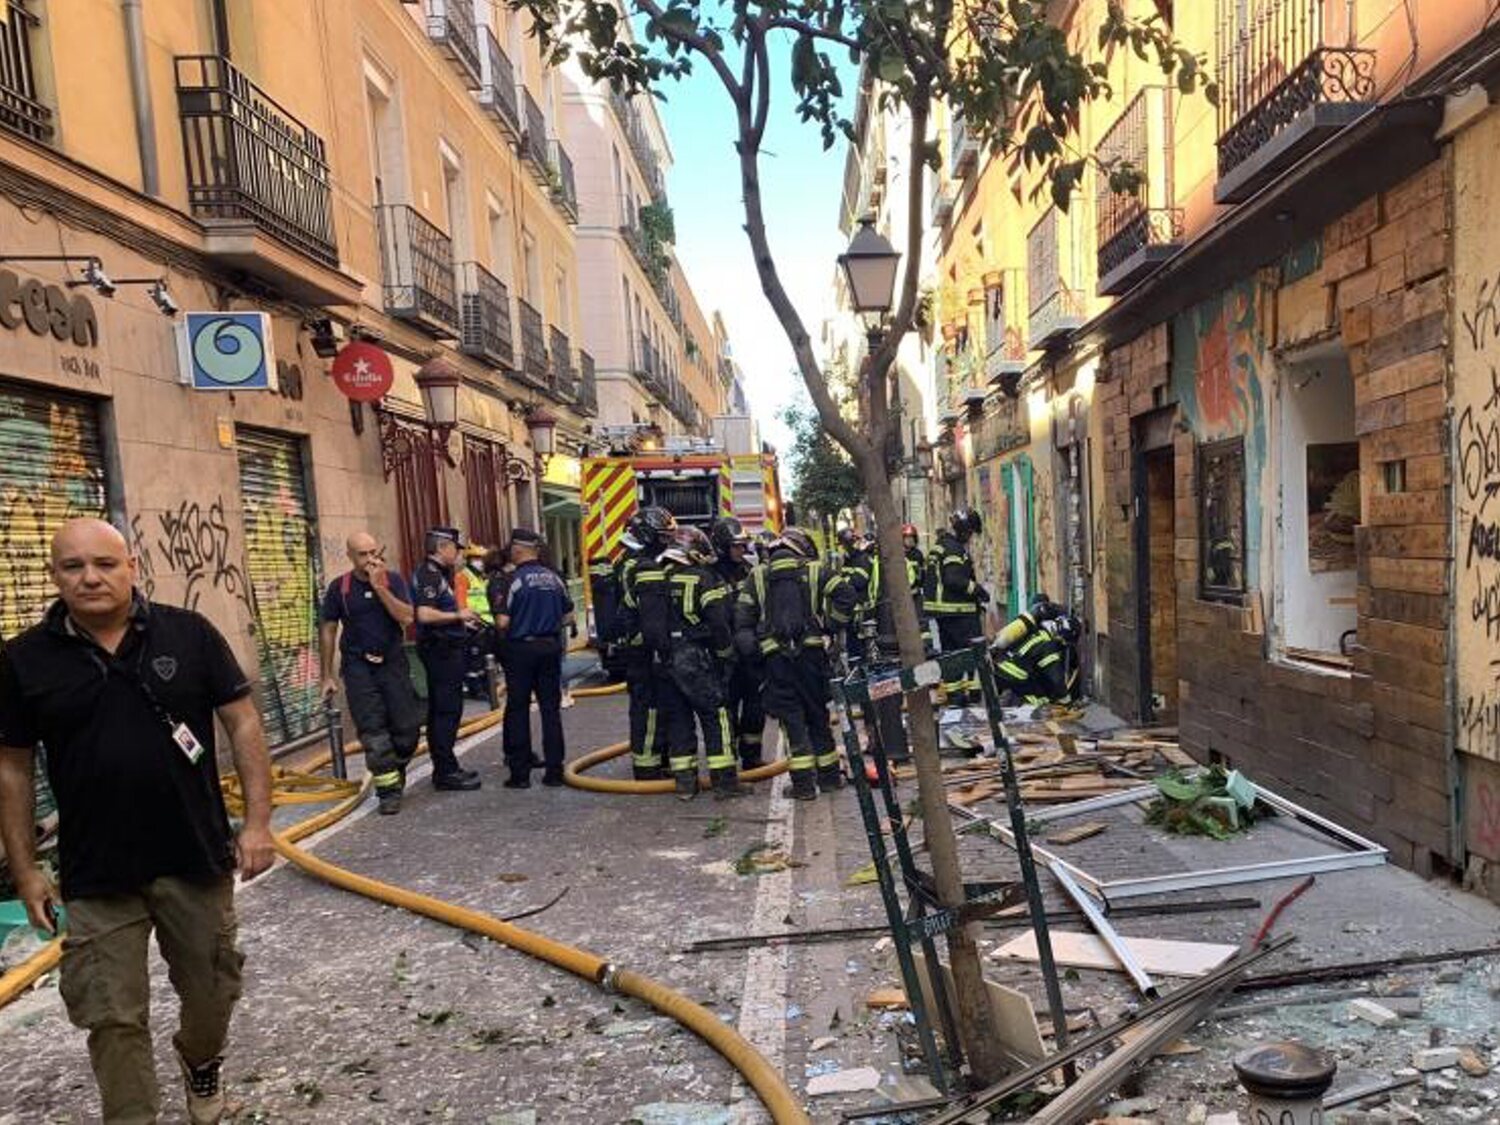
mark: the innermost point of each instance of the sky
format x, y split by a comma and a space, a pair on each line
801, 185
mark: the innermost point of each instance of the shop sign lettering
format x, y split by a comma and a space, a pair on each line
47, 309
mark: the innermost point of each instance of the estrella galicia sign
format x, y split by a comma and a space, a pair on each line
227, 351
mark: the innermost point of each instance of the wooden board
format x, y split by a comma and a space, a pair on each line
1087, 951
1015, 1020
1077, 832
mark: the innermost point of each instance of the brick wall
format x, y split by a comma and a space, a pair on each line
1369, 749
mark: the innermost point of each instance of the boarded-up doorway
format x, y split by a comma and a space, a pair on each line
1156, 567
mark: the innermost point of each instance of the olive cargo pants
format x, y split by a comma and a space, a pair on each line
107, 989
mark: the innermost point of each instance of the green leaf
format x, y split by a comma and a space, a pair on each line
892, 68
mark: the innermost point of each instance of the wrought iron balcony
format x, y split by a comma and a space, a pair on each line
944, 196
1004, 326
450, 25
636, 139
1137, 231
21, 111
484, 309
564, 187
533, 346
417, 266
497, 91
588, 386
1055, 277
534, 138
249, 159
1286, 86
649, 369
1000, 427
963, 147
564, 374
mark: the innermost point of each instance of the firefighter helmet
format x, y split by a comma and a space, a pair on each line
726, 533
799, 542
693, 546
909, 531
965, 522
848, 539
650, 529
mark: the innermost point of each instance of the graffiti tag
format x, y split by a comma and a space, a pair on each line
195, 543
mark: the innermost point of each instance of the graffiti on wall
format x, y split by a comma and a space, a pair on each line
1220, 365
194, 542
48, 480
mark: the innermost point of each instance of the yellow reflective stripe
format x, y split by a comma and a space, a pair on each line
1050, 658
681, 764
387, 779
650, 728
829, 759
726, 732
716, 594
803, 762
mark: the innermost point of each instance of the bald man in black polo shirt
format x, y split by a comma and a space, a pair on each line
124, 694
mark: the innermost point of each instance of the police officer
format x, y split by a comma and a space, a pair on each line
647, 534
789, 611
531, 609
373, 607
471, 587
954, 599
691, 635
746, 675
442, 631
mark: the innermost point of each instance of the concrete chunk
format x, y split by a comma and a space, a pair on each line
1434, 1058
1371, 1012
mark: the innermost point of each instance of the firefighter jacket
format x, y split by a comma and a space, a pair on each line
629, 572
862, 569
949, 589
831, 604
702, 607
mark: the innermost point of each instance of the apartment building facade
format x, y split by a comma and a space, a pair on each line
204, 206
1244, 413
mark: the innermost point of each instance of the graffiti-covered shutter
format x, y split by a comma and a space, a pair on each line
281, 565
51, 470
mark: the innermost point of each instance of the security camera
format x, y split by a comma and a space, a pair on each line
162, 299
94, 275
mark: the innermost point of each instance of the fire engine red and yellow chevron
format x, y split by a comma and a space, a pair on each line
608, 495
726, 489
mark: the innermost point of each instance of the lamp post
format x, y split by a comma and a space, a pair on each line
541, 424
439, 381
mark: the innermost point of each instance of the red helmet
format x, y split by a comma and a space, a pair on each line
909, 531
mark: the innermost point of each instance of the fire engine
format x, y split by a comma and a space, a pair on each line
698, 480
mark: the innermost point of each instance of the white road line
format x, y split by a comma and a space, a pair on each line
763, 998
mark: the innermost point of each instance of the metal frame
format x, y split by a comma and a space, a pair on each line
1365, 853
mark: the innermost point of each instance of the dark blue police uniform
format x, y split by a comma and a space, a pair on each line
441, 648
536, 601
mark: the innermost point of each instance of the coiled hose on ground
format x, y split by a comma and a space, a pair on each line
304, 787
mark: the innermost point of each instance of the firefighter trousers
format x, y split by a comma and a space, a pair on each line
647, 735
386, 714
747, 712
797, 695
690, 691
958, 631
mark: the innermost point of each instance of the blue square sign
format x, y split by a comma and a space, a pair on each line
227, 351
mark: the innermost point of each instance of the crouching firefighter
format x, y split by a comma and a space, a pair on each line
954, 600
647, 534
745, 675
790, 611
1035, 655
686, 625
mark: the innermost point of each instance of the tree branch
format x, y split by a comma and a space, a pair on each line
763, 89
697, 43
802, 27
881, 361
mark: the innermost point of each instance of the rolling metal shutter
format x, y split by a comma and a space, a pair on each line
51, 470
281, 563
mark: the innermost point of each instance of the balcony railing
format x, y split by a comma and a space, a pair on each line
534, 138
248, 158
564, 374
533, 346
564, 187
944, 195
1055, 276
497, 91
649, 368
639, 144
963, 147
588, 387
1137, 231
417, 266
21, 111
1004, 326
484, 310
1000, 428
450, 25
1286, 85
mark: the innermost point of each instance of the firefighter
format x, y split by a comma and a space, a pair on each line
1031, 655
746, 675
647, 534
861, 568
916, 569
789, 611
471, 586
953, 599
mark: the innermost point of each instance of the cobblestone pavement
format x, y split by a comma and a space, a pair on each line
356, 1012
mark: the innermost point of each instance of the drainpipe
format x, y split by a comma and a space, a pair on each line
140, 95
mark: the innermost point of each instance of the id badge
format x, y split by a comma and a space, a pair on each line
187, 742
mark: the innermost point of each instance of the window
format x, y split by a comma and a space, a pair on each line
387, 148
1316, 581
499, 235
531, 278
456, 202
484, 469
615, 168
1221, 520
560, 316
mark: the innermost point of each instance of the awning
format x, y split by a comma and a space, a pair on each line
1372, 155
561, 504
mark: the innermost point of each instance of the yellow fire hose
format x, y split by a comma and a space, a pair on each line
593, 692
292, 787
574, 771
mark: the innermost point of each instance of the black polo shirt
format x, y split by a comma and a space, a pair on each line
368, 625
131, 806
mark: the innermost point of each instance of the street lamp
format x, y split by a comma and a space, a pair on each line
869, 266
439, 381
542, 426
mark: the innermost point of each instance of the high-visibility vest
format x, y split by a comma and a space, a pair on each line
470, 588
